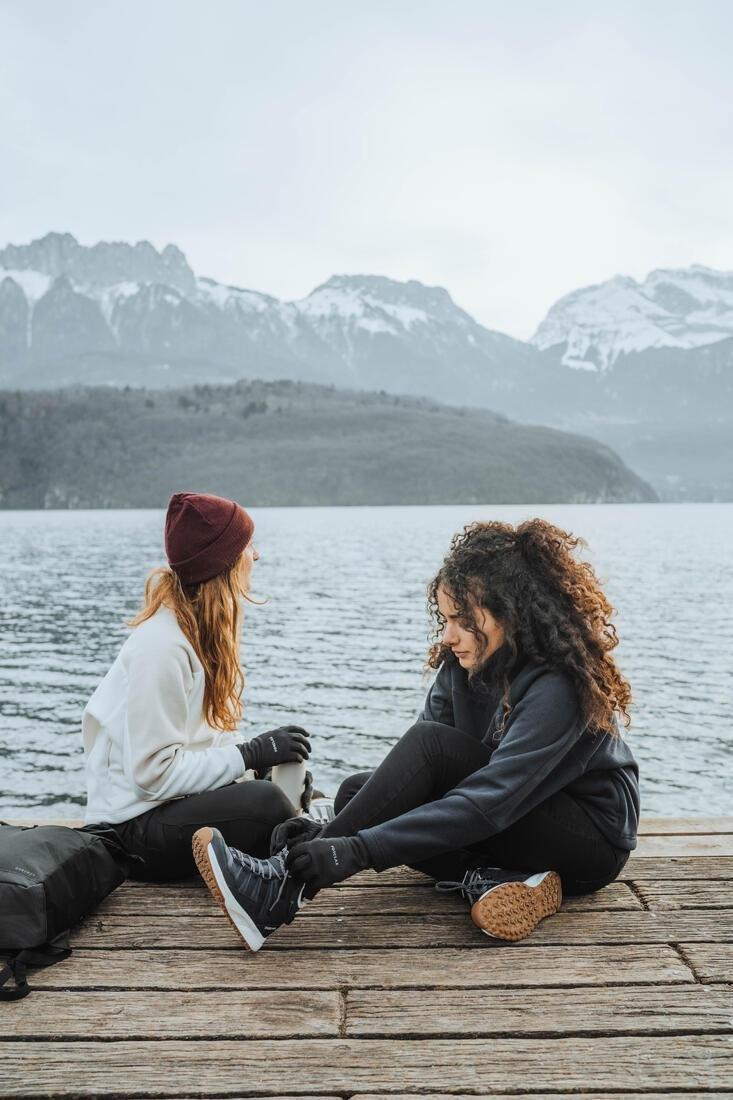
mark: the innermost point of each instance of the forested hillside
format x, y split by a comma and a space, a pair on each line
287, 443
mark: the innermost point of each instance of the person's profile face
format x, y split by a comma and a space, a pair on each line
250, 555
466, 647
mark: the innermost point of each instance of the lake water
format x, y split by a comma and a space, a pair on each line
339, 644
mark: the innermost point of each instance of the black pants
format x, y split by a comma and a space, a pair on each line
430, 760
245, 814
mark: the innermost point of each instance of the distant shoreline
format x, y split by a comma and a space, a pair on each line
283, 444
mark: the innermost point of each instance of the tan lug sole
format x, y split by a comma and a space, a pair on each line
200, 845
513, 910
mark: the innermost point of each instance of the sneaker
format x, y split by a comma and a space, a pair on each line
508, 905
257, 895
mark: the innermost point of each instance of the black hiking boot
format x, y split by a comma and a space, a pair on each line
508, 905
257, 895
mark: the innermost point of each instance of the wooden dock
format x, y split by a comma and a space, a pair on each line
383, 987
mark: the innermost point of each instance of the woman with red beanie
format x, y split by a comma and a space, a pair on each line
160, 732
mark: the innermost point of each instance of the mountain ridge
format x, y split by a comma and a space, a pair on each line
658, 357
676, 308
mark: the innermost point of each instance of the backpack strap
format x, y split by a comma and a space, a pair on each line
48, 954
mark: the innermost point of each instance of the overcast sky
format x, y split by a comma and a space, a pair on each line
508, 151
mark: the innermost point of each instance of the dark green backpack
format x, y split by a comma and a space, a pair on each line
50, 877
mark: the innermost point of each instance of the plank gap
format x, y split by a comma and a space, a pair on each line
343, 1011
687, 961
234, 1038
637, 893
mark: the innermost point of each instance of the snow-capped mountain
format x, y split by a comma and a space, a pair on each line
590, 328
123, 313
659, 353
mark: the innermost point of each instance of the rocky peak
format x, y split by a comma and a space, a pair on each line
359, 295
684, 308
102, 264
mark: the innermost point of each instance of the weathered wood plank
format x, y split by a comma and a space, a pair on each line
545, 1096
693, 894
175, 900
446, 1012
175, 1015
660, 826
711, 844
719, 868
679, 867
713, 962
272, 970
354, 930
258, 1068
638, 868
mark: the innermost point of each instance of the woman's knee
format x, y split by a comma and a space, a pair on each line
433, 741
265, 801
350, 786
427, 733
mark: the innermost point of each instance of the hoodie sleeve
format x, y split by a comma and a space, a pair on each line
154, 758
523, 770
438, 706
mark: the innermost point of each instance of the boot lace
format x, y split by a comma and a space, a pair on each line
273, 867
267, 869
472, 882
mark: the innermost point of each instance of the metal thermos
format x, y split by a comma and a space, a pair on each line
291, 779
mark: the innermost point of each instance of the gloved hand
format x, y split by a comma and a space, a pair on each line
292, 831
286, 745
326, 860
307, 795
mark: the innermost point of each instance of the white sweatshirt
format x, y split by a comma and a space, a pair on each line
145, 736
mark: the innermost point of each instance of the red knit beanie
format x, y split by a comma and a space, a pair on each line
204, 535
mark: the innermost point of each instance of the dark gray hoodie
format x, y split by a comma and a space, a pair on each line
544, 748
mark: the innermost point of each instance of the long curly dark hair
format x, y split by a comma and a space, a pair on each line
551, 606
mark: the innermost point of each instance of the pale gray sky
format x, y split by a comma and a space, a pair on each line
510, 152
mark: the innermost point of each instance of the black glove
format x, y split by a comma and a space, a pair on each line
292, 831
286, 745
307, 795
326, 860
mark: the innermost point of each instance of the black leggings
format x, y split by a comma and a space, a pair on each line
245, 814
432, 759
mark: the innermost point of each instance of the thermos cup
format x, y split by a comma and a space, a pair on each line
291, 779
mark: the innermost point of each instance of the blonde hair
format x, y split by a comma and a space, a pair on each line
210, 615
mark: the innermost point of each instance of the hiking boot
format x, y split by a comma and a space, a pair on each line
257, 895
508, 905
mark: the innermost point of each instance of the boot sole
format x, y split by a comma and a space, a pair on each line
208, 865
513, 910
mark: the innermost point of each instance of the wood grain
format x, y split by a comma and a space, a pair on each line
446, 1012
356, 930
678, 867
384, 988
661, 826
386, 969
703, 844
712, 962
179, 901
174, 1015
257, 1068
693, 894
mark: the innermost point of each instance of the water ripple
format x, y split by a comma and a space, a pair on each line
339, 645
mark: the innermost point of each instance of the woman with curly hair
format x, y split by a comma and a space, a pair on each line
514, 785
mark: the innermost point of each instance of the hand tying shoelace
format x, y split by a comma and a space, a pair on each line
326, 860
293, 831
